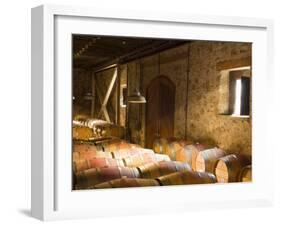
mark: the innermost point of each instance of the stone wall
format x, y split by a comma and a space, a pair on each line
203, 119
200, 118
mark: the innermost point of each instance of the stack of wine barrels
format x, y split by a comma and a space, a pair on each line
117, 164
95, 164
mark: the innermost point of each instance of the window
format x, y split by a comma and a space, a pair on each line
235, 92
123, 96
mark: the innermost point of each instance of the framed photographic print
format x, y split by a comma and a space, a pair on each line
134, 112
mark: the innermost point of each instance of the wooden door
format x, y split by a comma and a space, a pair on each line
160, 109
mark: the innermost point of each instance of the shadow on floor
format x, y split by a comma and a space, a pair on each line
25, 212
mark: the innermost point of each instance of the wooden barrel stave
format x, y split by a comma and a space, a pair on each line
85, 164
157, 169
127, 182
125, 153
187, 177
86, 147
144, 158
84, 155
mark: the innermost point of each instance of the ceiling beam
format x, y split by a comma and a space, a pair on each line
141, 52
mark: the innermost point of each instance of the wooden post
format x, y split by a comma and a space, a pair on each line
107, 95
93, 95
104, 110
117, 111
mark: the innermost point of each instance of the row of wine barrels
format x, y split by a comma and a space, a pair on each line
89, 178
125, 153
229, 167
82, 133
133, 161
167, 146
189, 153
187, 177
206, 160
118, 146
90, 154
128, 182
157, 169
85, 164
245, 174
144, 158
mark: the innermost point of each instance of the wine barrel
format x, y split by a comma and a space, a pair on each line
85, 164
128, 182
83, 155
118, 146
193, 150
187, 177
86, 147
206, 160
173, 147
229, 167
125, 153
157, 169
245, 174
159, 145
82, 133
89, 178
144, 158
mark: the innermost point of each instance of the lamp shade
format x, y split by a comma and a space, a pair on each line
136, 98
88, 96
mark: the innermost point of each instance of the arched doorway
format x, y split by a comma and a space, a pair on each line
160, 109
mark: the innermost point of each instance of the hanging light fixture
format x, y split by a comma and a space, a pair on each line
88, 96
136, 98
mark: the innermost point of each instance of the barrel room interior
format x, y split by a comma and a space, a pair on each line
156, 112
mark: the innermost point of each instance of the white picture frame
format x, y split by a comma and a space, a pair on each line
52, 197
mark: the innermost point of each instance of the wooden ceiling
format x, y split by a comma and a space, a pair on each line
96, 51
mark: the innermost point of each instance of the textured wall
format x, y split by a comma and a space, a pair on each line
171, 63
203, 119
